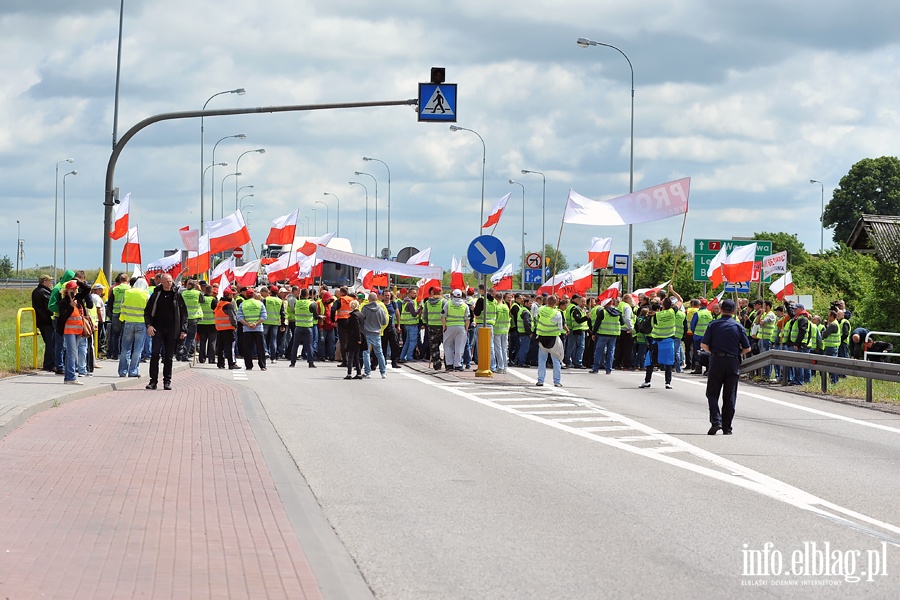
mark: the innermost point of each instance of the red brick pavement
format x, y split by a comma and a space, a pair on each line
145, 494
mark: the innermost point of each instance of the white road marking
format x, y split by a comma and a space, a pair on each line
556, 405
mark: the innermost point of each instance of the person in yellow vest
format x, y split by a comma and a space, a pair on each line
192, 297
288, 300
206, 326
306, 315
432, 314
225, 316
275, 321
606, 329
133, 328
700, 320
831, 338
341, 312
577, 321
251, 314
114, 310
662, 339
549, 326
456, 320
69, 326
410, 310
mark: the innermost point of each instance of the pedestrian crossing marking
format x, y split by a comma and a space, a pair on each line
437, 104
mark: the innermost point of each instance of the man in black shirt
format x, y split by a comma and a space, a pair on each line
725, 340
40, 299
166, 318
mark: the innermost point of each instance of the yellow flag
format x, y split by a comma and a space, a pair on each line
101, 279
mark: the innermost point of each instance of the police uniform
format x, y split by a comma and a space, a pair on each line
726, 340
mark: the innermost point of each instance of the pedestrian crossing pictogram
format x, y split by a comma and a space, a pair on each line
437, 104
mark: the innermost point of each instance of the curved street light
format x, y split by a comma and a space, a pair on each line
72, 172
821, 218
327, 218
56, 213
238, 91
367, 159
358, 173
543, 213
212, 179
483, 163
237, 167
367, 212
513, 182
222, 190
241, 201
338, 228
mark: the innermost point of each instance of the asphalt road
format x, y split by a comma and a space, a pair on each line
447, 487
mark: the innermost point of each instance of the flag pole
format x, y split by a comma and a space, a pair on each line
678, 249
558, 242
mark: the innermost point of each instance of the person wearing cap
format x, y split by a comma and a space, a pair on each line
113, 310
225, 317
40, 300
284, 334
766, 321
800, 336
375, 319
410, 311
390, 341
577, 320
98, 313
455, 321
525, 331
252, 314
327, 327
133, 329
699, 322
432, 314
306, 319
606, 327
206, 326
549, 326
469, 348
273, 322
726, 341
69, 326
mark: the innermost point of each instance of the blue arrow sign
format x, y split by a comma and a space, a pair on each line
534, 276
437, 102
486, 254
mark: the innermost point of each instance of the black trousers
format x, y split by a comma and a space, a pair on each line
724, 373
207, 346
353, 358
624, 350
254, 339
342, 327
164, 341
47, 336
224, 339
389, 338
653, 350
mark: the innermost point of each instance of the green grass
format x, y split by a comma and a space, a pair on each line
11, 301
855, 387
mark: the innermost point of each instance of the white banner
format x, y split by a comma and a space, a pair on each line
378, 265
774, 263
652, 204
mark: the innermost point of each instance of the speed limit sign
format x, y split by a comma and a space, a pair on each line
533, 260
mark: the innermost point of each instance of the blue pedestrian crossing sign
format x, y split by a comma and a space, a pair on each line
486, 254
437, 102
738, 287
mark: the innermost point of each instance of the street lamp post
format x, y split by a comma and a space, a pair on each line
56, 213
307, 225
72, 172
315, 222
244, 187
543, 215
238, 91
358, 173
222, 189
367, 212
241, 201
212, 179
338, 228
18, 244
212, 186
237, 167
327, 219
584, 43
821, 218
367, 158
512, 182
483, 163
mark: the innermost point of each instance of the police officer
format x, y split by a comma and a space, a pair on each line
725, 340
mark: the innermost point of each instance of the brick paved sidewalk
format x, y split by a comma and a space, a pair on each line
145, 494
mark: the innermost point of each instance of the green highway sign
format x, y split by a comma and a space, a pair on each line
706, 250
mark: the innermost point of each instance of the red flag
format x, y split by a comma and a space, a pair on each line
610, 292
246, 275
494, 217
131, 253
420, 258
283, 229
783, 287
228, 233
120, 224
739, 264
457, 281
309, 246
502, 279
285, 268
649, 291
599, 252
169, 264
425, 286
224, 269
582, 278
716, 300
715, 272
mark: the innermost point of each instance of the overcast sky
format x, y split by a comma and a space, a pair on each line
750, 100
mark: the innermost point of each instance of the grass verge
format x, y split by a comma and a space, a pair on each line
855, 387
11, 300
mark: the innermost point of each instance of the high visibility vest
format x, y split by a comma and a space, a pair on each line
223, 323
409, 318
626, 325
832, 340
456, 314
75, 323
192, 303
768, 331
133, 304
567, 315
208, 317
501, 323
433, 309
252, 309
663, 324
302, 316
490, 311
639, 338
609, 324
750, 319
680, 321
291, 311
704, 318
273, 310
119, 296
343, 311
545, 325
845, 338
576, 326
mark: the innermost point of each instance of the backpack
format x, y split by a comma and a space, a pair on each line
644, 325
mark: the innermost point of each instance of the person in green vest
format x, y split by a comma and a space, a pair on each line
662, 338
500, 339
133, 328
432, 314
192, 297
576, 318
699, 322
767, 333
206, 326
549, 326
306, 315
252, 314
275, 315
285, 333
606, 328
456, 320
113, 309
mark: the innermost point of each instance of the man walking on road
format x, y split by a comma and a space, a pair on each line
167, 323
725, 340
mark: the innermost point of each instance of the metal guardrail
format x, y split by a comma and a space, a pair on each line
867, 369
32, 334
876, 354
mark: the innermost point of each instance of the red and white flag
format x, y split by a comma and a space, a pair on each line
494, 217
739, 264
457, 281
285, 268
716, 300
198, 262
246, 275
169, 264
120, 219
420, 258
223, 270
228, 233
611, 292
425, 286
371, 279
577, 281
190, 237
309, 246
503, 279
599, 251
131, 252
783, 287
715, 272
651, 204
284, 229
649, 291
582, 278
222, 286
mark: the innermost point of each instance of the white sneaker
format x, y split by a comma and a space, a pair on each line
644, 385
383, 376
73, 382
668, 386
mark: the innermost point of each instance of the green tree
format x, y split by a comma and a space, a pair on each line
841, 274
871, 187
654, 264
797, 254
6, 267
554, 259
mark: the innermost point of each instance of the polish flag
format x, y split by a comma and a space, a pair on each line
198, 262
222, 286
224, 270
309, 246
582, 278
715, 300
715, 272
246, 275
577, 281
783, 287
649, 291
370, 279
457, 281
494, 217
503, 279
131, 252
283, 229
120, 223
170, 264
285, 268
739, 264
425, 286
421, 258
228, 233
599, 252
190, 237
612, 292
